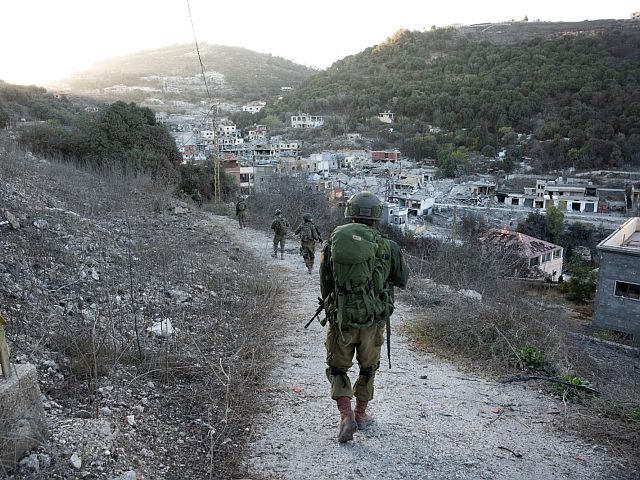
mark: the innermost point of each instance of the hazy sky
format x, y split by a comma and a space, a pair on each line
44, 40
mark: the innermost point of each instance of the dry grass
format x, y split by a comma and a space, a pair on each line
109, 265
515, 328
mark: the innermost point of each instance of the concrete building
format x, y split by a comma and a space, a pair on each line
396, 215
385, 155
542, 257
386, 117
253, 107
617, 304
304, 120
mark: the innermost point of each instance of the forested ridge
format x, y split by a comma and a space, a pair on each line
577, 93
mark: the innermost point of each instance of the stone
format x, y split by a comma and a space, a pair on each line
129, 475
13, 221
472, 294
31, 463
76, 461
131, 420
22, 418
40, 224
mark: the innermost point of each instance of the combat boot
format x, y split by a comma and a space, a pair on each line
362, 418
309, 269
274, 255
282, 256
348, 424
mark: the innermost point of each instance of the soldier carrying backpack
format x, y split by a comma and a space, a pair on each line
309, 235
359, 269
279, 227
241, 210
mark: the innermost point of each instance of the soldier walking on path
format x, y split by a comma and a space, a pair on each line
309, 235
241, 209
279, 226
358, 271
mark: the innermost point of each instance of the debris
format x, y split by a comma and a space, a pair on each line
515, 454
162, 328
131, 420
472, 294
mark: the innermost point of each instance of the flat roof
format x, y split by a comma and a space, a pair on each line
626, 239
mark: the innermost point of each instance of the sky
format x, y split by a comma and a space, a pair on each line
42, 41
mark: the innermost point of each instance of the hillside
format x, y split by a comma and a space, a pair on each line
574, 85
233, 73
94, 263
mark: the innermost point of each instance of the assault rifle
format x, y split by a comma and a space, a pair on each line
323, 322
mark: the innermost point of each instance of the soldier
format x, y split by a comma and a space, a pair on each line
309, 235
279, 227
197, 197
358, 271
241, 209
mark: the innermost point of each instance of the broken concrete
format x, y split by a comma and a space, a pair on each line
22, 419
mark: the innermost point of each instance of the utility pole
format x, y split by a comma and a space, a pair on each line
454, 225
5, 367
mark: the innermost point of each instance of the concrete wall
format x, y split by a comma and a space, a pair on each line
22, 419
617, 313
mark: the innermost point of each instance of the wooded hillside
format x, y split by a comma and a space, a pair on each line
577, 92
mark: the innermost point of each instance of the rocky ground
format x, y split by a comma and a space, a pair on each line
149, 324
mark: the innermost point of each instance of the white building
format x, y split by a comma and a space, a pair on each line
541, 256
396, 215
254, 107
304, 120
385, 117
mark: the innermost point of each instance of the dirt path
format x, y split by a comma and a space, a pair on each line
433, 421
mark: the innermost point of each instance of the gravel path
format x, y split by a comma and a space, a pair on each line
433, 421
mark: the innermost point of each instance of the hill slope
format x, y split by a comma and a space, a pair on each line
576, 81
233, 73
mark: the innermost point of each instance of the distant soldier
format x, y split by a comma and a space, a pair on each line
197, 197
309, 235
279, 227
241, 209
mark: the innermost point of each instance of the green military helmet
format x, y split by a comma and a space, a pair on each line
307, 217
364, 205
278, 211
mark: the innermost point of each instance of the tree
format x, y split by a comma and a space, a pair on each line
582, 281
554, 219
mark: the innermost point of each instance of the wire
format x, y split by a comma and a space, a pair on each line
204, 77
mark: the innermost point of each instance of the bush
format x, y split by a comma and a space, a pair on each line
530, 358
581, 285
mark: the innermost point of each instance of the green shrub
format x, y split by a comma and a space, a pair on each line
573, 388
530, 358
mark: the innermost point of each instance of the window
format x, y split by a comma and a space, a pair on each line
627, 290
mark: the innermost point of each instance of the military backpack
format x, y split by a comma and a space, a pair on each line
360, 263
280, 226
306, 232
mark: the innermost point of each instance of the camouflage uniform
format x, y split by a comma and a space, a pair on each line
309, 235
279, 236
197, 197
358, 300
241, 208
365, 343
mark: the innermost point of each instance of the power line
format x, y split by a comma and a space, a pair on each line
204, 77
